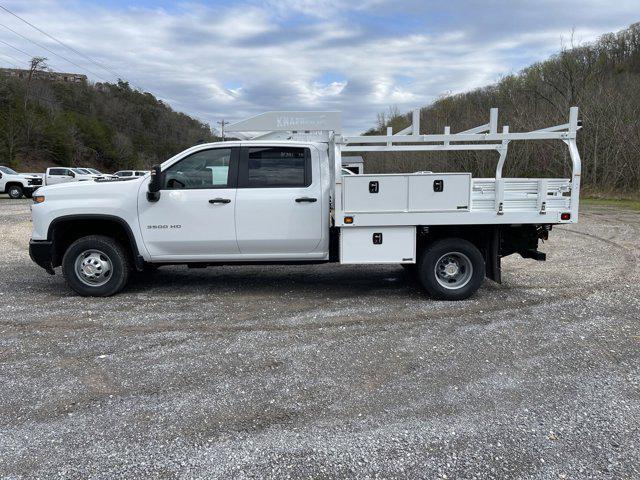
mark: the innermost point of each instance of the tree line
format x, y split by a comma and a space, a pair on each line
105, 125
602, 79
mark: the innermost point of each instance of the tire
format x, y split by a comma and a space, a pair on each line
96, 266
15, 192
451, 269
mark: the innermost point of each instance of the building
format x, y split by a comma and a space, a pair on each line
44, 75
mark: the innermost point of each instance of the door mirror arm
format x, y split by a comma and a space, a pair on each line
153, 194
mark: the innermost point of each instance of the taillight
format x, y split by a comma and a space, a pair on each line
565, 216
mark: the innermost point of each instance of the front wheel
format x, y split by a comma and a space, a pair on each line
96, 266
451, 269
15, 192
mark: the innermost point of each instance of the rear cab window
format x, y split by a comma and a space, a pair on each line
275, 167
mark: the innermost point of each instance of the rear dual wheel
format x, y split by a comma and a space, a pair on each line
451, 269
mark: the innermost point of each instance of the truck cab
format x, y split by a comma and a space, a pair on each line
240, 202
55, 175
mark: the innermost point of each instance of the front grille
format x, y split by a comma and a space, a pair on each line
35, 181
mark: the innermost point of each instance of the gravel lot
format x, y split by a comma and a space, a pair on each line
326, 371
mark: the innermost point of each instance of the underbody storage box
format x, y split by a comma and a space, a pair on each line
378, 245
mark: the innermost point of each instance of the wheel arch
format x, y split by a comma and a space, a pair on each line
66, 229
13, 183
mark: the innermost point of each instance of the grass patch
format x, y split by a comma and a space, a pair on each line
623, 203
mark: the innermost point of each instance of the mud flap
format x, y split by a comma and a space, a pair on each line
492, 260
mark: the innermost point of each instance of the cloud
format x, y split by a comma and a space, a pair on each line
236, 59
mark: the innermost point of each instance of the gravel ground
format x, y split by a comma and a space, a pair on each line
326, 371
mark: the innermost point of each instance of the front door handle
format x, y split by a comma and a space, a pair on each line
306, 199
220, 200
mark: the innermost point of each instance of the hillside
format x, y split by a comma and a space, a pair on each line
602, 78
107, 126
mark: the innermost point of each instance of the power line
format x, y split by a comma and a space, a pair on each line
95, 62
11, 57
17, 49
54, 53
10, 62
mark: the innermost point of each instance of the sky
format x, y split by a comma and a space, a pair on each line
234, 59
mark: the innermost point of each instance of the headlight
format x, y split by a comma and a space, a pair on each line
38, 198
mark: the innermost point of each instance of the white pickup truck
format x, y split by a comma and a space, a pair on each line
17, 185
55, 175
268, 200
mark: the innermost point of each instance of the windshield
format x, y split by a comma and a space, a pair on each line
79, 171
93, 170
8, 171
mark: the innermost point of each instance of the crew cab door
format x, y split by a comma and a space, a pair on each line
194, 217
279, 202
58, 175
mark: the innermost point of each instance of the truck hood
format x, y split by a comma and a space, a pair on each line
87, 189
28, 176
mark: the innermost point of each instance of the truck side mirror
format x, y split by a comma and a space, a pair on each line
153, 194
71, 174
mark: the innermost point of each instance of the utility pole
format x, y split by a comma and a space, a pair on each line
222, 123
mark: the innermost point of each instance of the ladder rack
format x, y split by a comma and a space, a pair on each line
326, 127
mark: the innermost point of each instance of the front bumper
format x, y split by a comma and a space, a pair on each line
41, 252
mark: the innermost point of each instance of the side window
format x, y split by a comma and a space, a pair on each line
58, 171
204, 169
126, 174
269, 167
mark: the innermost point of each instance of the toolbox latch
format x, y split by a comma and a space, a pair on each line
438, 185
374, 187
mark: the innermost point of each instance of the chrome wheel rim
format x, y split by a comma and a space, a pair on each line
93, 268
453, 270
14, 192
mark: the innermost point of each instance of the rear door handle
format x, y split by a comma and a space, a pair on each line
220, 200
306, 199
